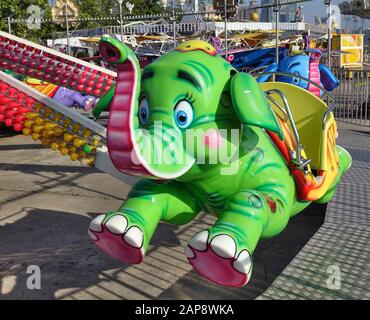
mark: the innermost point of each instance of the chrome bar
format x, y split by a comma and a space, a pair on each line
302, 163
330, 108
279, 106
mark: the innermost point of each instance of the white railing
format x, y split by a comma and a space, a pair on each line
352, 96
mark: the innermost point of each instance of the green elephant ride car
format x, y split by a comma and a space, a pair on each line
201, 135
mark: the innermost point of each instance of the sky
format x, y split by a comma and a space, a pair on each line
317, 7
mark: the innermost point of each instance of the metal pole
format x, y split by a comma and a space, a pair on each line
226, 39
329, 37
67, 28
174, 25
277, 9
348, 25
277, 36
9, 25
121, 19
196, 6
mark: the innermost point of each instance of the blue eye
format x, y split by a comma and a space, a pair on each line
144, 111
184, 114
296, 80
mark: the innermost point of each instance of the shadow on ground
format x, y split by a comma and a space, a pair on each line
5, 131
57, 242
270, 259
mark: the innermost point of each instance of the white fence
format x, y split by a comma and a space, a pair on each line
352, 96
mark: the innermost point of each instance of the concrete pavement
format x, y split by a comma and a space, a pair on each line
46, 203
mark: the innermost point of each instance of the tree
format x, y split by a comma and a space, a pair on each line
17, 9
102, 8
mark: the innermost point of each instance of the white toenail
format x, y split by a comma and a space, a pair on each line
189, 253
134, 237
199, 241
92, 235
224, 246
96, 224
244, 262
117, 224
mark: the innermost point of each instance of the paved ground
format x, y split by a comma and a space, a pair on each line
342, 242
46, 203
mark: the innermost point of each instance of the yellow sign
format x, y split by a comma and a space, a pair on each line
352, 49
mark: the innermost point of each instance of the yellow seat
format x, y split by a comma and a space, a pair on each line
319, 140
308, 111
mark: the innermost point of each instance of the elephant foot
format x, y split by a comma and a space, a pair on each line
112, 234
218, 260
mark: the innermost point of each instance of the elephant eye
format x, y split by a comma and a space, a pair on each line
184, 114
144, 111
296, 80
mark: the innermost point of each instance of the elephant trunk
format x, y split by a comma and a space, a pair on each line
123, 108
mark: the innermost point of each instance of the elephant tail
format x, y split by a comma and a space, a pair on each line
345, 162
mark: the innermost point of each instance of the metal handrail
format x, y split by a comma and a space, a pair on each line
331, 107
276, 103
297, 157
257, 69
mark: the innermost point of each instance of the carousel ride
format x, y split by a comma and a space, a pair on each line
273, 119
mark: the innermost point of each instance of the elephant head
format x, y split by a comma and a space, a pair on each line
296, 65
299, 65
189, 90
307, 67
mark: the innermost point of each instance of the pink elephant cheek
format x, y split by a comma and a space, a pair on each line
213, 139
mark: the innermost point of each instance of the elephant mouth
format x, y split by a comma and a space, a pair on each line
162, 153
109, 52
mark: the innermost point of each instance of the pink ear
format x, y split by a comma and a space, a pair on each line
213, 139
